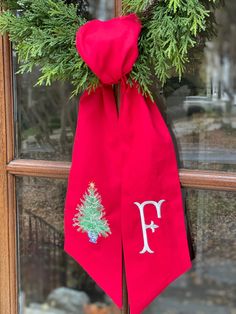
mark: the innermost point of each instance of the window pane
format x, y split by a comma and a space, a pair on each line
50, 281
101, 9
45, 117
202, 105
210, 286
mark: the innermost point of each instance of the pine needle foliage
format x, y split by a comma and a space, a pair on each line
171, 29
43, 34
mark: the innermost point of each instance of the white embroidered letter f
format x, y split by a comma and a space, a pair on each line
151, 226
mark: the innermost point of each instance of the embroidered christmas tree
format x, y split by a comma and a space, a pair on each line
90, 216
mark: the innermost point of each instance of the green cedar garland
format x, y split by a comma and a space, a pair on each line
171, 28
43, 34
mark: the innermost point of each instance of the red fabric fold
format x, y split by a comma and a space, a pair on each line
130, 158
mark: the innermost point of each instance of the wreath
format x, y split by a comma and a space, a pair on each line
43, 35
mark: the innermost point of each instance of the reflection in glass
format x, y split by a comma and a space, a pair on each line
46, 117
50, 282
210, 286
101, 9
203, 104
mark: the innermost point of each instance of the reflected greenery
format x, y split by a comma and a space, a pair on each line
50, 281
201, 108
209, 287
46, 116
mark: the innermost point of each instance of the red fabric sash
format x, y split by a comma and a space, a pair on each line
128, 160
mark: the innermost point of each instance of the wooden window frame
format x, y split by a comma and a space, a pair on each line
10, 168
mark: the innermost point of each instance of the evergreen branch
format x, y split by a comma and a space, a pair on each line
43, 35
171, 29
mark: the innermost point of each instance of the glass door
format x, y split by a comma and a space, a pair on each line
37, 126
